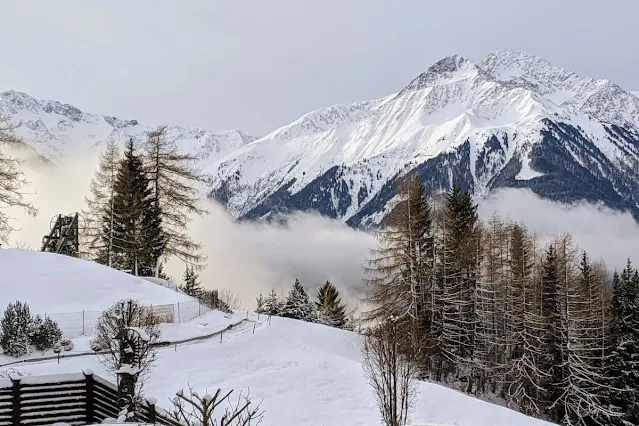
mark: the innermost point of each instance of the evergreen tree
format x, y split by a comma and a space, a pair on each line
138, 241
297, 305
552, 362
329, 306
259, 304
192, 285
99, 213
458, 278
623, 364
175, 189
16, 324
272, 304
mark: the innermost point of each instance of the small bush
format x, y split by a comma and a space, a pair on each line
66, 344
20, 331
44, 334
15, 327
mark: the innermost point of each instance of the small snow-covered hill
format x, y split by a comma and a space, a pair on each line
304, 374
54, 283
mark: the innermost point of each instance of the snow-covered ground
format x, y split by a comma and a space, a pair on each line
54, 283
304, 374
75, 292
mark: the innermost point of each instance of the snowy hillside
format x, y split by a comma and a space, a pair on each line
57, 130
54, 283
305, 374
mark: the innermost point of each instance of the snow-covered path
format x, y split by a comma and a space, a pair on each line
305, 374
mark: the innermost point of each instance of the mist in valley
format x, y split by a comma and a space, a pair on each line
250, 258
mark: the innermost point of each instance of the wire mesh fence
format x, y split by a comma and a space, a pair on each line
76, 324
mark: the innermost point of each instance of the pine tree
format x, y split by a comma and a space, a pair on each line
192, 285
175, 190
272, 304
137, 231
99, 214
623, 364
553, 362
259, 304
297, 305
329, 306
458, 279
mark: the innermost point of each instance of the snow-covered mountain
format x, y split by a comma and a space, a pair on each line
57, 130
512, 120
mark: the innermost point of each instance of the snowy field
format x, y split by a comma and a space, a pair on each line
304, 374
54, 283
74, 292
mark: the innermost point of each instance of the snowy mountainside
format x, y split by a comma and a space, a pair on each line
55, 130
513, 120
303, 374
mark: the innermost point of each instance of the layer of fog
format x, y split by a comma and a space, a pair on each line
600, 231
251, 258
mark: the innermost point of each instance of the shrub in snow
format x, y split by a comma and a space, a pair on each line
15, 329
196, 410
66, 344
141, 328
20, 331
44, 334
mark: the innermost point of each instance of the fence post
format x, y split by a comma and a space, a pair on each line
254, 324
247, 314
88, 375
152, 412
83, 322
15, 379
179, 321
198, 308
221, 334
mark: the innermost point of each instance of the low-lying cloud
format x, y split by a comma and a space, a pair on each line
602, 232
250, 258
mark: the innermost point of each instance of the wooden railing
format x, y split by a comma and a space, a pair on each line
75, 399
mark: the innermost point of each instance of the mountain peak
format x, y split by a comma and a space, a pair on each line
448, 69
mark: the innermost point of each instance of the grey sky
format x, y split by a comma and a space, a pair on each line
256, 65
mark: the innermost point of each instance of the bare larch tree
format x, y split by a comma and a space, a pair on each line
12, 179
175, 183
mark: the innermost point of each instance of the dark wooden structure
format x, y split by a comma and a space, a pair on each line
75, 399
64, 236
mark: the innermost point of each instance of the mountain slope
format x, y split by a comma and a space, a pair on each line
513, 120
57, 131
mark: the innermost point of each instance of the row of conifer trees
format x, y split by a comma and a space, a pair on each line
484, 307
328, 309
140, 204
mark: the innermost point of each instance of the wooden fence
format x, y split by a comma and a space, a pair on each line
75, 399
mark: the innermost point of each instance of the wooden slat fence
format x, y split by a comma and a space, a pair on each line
75, 399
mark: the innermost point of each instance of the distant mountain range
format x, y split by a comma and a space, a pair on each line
512, 120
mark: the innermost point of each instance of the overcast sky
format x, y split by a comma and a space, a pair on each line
256, 65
